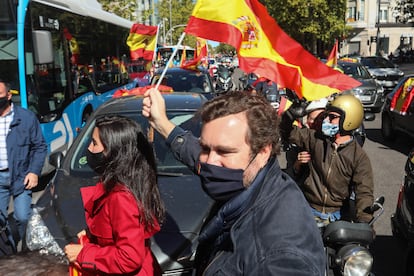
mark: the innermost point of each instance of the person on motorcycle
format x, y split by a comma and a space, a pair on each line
296, 157
266, 88
339, 169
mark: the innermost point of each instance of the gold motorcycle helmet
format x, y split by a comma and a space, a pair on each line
351, 110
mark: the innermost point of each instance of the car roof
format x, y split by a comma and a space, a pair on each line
174, 101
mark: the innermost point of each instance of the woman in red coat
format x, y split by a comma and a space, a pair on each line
124, 208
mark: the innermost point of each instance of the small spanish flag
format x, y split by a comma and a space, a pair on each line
142, 41
333, 56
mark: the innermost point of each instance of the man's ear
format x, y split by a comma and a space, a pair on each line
264, 154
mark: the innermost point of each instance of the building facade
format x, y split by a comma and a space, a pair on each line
375, 29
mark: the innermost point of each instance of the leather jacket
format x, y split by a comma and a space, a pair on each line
334, 171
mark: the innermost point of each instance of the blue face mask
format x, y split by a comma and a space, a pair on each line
329, 129
220, 183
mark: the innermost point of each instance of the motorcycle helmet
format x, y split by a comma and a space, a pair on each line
351, 110
316, 104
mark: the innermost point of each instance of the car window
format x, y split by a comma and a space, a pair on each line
356, 71
377, 62
189, 81
166, 162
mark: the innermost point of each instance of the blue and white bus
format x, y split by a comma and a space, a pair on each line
63, 59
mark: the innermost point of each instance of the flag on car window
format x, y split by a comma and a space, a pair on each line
333, 56
183, 57
264, 48
200, 54
142, 40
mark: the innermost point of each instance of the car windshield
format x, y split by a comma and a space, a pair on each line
356, 71
166, 162
377, 63
188, 81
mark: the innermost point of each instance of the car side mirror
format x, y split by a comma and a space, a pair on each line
369, 116
55, 159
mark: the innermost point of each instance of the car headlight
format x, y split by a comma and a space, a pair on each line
39, 238
355, 260
380, 89
357, 91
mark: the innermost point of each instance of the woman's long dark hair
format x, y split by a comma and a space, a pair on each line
131, 162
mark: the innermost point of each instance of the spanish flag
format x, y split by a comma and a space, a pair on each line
142, 41
201, 48
183, 57
333, 56
264, 48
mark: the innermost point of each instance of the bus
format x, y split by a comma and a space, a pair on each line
165, 52
63, 59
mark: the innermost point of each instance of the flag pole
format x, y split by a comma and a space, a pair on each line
170, 60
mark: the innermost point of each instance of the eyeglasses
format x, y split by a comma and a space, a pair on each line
332, 117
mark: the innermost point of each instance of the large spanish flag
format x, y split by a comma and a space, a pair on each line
264, 48
142, 41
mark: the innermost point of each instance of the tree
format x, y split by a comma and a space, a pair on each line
178, 11
225, 49
310, 22
123, 8
404, 11
314, 24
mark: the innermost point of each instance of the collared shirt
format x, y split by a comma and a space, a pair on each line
5, 122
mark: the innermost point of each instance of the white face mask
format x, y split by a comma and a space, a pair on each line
329, 129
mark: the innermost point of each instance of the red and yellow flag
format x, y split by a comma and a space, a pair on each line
142, 41
333, 56
201, 48
264, 48
183, 57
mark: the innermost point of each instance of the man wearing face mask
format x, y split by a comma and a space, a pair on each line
22, 155
261, 224
339, 169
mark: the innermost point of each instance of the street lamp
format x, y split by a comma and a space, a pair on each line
378, 28
171, 21
163, 29
170, 31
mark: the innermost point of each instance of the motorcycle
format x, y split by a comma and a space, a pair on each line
224, 82
347, 244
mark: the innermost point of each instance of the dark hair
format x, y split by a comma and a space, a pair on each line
262, 118
131, 162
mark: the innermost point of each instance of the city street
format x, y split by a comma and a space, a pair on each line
388, 160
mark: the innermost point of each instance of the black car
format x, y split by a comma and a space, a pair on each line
370, 92
386, 72
398, 112
185, 80
402, 221
59, 214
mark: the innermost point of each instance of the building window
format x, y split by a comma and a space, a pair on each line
362, 10
383, 15
351, 14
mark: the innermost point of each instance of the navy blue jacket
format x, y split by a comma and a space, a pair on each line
26, 148
275, 235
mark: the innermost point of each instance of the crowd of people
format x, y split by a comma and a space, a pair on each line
265, 218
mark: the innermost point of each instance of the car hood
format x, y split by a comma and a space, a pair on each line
367, 83
385, 71
186, 203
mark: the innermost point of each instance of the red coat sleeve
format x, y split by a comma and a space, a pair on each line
121, 238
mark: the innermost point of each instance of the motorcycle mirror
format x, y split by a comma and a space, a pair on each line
380, 200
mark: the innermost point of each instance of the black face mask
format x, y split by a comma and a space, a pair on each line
220, 183
96, 161
4, 103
